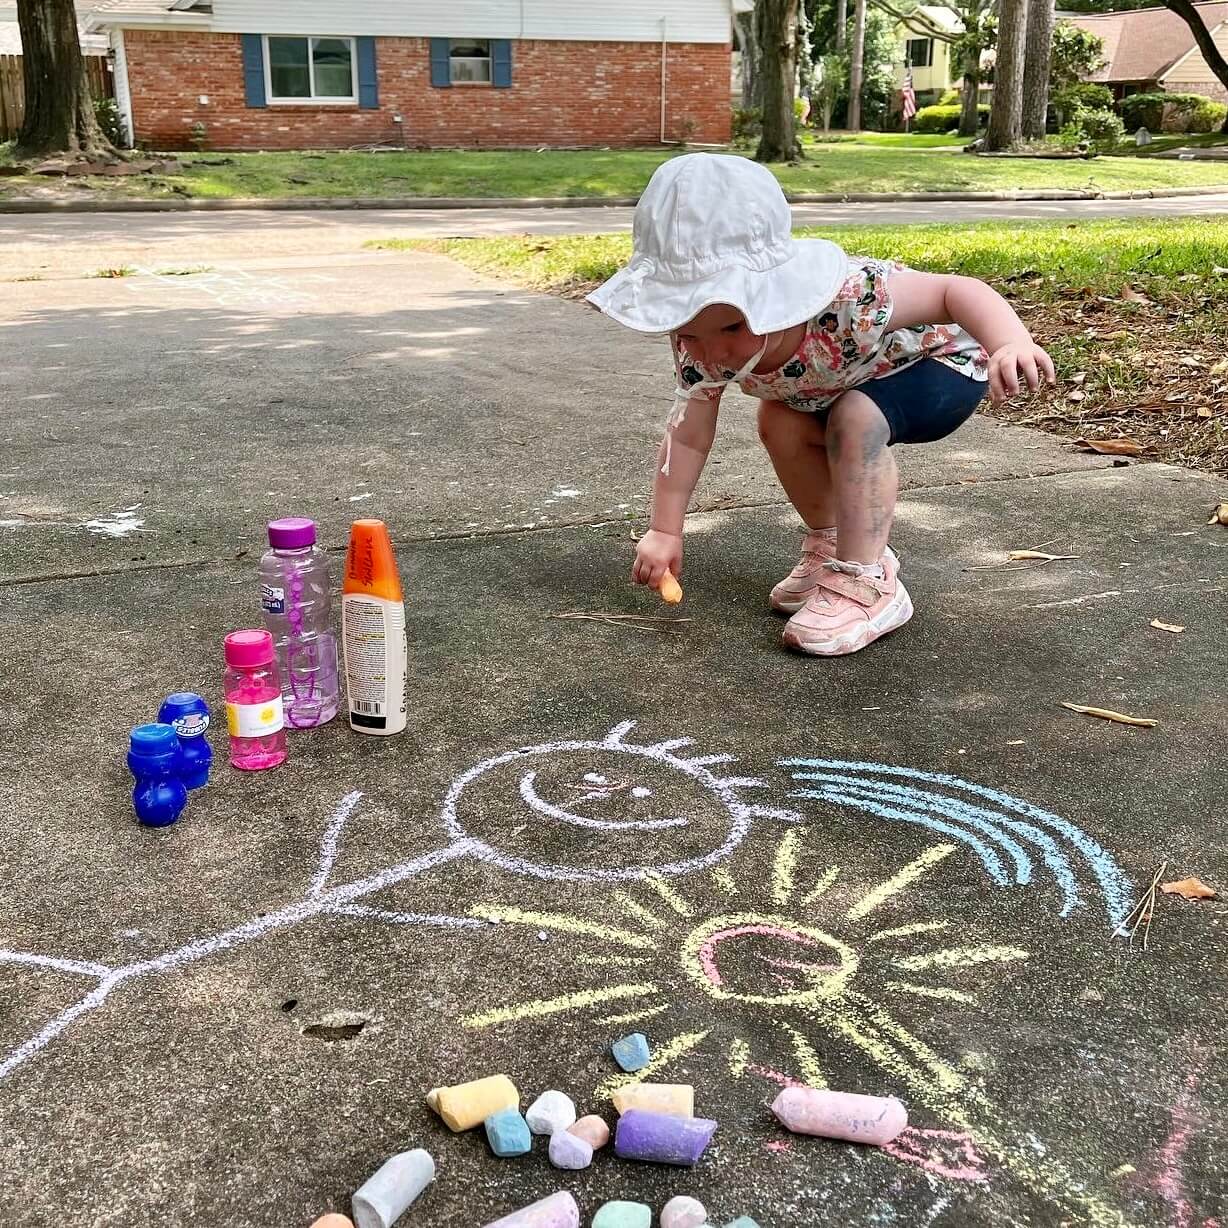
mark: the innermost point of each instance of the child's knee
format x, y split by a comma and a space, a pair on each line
780, 426
855, 422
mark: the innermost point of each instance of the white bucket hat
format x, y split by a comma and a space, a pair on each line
714, 228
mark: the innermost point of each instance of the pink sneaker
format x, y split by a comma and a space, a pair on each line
792, 592
847, 612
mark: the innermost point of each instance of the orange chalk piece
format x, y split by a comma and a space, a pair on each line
857, 1119
670, 589
333, 1220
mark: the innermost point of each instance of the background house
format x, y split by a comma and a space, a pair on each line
285, 74
1153, 49
933, 68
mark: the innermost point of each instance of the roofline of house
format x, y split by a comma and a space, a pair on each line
119, 20
1155, 8
1194, 50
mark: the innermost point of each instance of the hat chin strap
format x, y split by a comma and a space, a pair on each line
677, 413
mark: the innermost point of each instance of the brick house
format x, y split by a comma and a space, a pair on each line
1147, 50
317, 74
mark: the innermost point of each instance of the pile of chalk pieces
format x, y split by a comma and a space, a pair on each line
656, 1123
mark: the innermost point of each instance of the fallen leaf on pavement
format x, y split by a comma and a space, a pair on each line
1221, 367
1189, 889
1205, 411
1175, 628
1133, 296
1220, 515
1106, 714
1018, 556
1111, 447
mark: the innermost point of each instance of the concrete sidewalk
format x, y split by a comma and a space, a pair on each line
77, 245
959, 845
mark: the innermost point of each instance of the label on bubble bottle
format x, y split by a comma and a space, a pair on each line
255, 720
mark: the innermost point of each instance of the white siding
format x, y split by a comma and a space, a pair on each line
691, 21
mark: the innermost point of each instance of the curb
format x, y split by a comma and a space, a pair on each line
315, 203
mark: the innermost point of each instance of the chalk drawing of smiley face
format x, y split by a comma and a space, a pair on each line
607, 809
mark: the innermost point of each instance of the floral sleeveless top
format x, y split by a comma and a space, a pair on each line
847, 344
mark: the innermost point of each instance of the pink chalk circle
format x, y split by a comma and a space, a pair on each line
874, 1120
810, 965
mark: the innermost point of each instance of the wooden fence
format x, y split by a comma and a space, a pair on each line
12, 91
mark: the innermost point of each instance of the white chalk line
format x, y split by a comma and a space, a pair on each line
536, 802
331, 840
83, 967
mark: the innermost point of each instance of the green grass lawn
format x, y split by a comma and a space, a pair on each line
1134, 311
839, 167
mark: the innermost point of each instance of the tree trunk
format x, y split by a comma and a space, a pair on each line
1006, 113
970, 97
1206, 43
750, 59
59, 114
842, 24
776, 36
1037, 63
857, 66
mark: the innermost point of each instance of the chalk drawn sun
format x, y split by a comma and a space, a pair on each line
817, 966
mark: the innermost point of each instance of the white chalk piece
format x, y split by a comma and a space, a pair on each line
569, 1150
846, 1115
551, 1111
557, 1211
683, 1212
386, 1195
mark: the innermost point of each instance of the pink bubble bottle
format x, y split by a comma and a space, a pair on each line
254, 710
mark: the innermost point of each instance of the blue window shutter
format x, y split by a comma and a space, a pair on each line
441, 62
501, 62
253, 70
368, 78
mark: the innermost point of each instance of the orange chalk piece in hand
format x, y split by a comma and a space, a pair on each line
670, 589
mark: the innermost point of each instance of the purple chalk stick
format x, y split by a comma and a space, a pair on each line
662, 1137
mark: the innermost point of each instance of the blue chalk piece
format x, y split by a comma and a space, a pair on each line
632, 1052
507, 1132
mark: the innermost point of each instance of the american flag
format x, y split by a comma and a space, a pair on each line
910, 96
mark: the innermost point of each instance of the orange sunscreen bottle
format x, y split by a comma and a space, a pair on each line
373, 632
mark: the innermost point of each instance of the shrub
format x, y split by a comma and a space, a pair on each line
1172, 112
106, 112
944, 119
1100, 129
747, 124
1085, 94
949, 99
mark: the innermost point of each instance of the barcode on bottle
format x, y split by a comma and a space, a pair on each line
368, 707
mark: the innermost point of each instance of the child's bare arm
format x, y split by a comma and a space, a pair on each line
686, 446
935, 298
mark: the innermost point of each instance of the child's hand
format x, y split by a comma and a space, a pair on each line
657, 552
1006, 364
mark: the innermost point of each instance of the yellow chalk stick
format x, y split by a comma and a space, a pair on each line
671, 590
469, 1104
676, 1099
432, 1099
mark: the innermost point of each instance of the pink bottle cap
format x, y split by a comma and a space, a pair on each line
292, 533
247, 649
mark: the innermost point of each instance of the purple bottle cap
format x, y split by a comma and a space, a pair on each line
292, 533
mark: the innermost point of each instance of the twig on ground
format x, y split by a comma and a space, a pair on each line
1142, 911
634, 622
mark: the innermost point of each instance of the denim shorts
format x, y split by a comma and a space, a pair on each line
924, 402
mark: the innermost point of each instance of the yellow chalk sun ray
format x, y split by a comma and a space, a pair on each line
905, 931
807, 1059
784, 867
899, 881
823, 885
564, 923
960, 957
724, 880
669, 895
635, 1016
941, 993
540, 1007
628, 903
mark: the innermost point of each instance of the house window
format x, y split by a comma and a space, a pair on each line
920, 52
310, 69
469, 60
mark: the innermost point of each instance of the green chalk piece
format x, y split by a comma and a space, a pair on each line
743, 1221
623, 1215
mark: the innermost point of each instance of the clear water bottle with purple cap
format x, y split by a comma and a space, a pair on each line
297, 600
